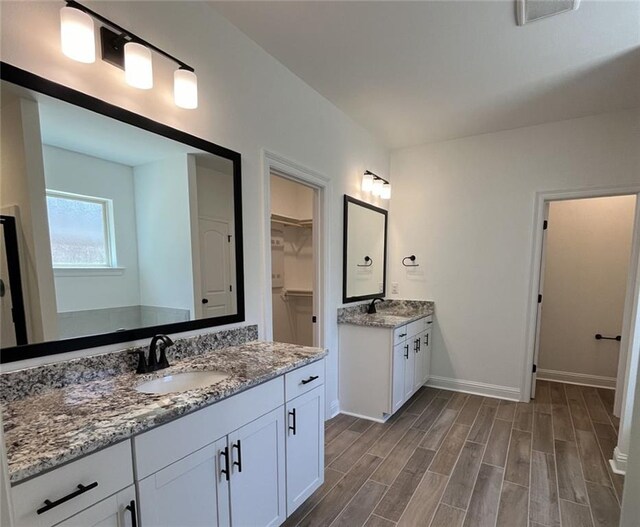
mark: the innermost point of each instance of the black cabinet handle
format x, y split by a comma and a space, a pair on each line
426, 339
48, 504
225, 454
132, 508
402, 335
239, 462
310, 379
292, 413
419, 344
406, 351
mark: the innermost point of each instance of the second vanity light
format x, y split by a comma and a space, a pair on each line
123, 49
378, 186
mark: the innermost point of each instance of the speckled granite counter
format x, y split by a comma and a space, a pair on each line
391, 313
46, 429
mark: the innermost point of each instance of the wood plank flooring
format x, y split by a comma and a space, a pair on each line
454, 460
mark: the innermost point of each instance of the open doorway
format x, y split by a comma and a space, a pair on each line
293, 261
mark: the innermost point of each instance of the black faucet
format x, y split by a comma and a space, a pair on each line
153, 364
372, 306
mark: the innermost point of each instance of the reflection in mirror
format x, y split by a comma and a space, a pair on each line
365, 250
115, 228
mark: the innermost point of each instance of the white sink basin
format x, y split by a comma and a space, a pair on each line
181, 382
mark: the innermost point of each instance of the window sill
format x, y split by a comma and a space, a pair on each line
88, 271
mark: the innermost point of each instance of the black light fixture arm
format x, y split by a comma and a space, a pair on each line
375, 176
126, 33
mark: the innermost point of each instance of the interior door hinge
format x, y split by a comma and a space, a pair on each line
230, 288
314, 319
535, 368
545, 225
229, 238
539, 299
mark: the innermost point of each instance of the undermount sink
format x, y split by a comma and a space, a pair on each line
181, 382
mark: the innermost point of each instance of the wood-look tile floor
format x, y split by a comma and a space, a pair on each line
453, 460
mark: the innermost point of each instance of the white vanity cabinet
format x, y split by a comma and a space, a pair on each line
381, 368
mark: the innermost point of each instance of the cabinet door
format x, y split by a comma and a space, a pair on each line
187, 492
409, 367
115, 511
400, 351
426, 358
258, 472
419, 351
305, 446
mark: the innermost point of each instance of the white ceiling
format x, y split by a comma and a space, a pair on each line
416, 72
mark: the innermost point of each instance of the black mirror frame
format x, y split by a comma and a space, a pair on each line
347, 299
31, 81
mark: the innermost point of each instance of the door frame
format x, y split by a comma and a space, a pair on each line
281, 166
627, 355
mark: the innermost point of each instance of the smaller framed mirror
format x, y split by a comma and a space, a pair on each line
364, 273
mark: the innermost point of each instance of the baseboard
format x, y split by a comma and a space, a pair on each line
619, 462
334, 408
577, 378
367, 417
476, 388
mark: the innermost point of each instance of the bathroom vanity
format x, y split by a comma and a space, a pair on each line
247, 450
384, 357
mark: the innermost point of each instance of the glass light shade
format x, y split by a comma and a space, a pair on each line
138, 70
76, 35
185, 89
377, 187
386, 191
367, 183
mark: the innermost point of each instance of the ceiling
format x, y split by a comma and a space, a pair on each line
417, 72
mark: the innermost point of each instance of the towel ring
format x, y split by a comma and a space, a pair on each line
412, 258
368, 262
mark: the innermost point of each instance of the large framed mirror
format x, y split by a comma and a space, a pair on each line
364, 273
114, 227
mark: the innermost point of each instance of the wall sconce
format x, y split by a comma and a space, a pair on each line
378, 186
122, 49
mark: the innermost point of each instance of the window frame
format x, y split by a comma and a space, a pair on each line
109, 230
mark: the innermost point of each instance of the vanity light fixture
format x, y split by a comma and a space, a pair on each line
123, 49
378, 186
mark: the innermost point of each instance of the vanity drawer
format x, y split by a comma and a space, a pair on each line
418, 326
303, 379
400, 335
102, 474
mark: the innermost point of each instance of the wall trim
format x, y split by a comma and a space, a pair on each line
367, 417
584, 379
477, 388
619, 462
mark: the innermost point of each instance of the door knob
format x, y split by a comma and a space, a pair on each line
205, 301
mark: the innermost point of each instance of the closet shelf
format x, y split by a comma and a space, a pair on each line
297, 292
293, 222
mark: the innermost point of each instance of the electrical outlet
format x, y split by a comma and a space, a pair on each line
394, 288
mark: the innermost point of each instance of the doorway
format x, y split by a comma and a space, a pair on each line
293, 278
586, 263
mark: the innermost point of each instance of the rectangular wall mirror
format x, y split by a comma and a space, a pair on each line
364, 272
113, 227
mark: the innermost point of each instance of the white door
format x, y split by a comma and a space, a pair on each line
536, 351
187, 492
7, 329
305, 446
418, 370
115, 511
397, 380
258, 472
215, 268
409, 367
426, 355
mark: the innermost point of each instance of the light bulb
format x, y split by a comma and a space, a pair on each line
386, 191
76, 35
138, 70
367, 183
185, 89
377, 187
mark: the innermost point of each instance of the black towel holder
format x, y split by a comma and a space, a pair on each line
600, 337
368, 262
412, 258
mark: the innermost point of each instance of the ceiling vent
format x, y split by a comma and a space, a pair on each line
531, 10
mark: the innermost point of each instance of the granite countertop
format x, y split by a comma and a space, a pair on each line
391, 314
48, 429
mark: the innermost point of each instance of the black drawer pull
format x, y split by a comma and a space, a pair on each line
132, 509
292, 413
406, 351
48, 504
402, 335
239, 462
310, 379
225, 454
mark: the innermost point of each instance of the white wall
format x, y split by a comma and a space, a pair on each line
68, 171
163, 222
247, 102
585, 280
465, 208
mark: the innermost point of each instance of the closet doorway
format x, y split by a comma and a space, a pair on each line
293, 207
